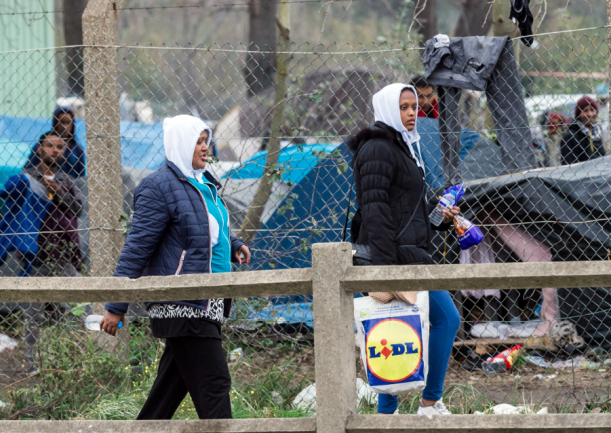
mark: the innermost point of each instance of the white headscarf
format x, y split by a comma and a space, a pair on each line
180, 135
386, 110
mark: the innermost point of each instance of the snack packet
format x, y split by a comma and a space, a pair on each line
468, 233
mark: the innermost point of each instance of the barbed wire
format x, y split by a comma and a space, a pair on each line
227, 5
246, 51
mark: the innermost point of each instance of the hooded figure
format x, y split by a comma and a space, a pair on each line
386, 110
583, 139
180, 136
393, 221
73, 163
181, 226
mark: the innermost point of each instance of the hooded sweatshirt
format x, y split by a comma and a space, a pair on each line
386, 110
180, 135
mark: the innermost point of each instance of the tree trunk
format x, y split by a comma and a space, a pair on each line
428, 20
473, 21
260, 68
251, 222
73, 35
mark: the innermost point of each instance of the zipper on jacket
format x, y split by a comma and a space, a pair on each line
181, 262
209, 236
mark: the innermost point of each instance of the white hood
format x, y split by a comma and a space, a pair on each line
386, 110
180, 135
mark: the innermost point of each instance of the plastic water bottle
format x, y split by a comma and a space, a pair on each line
92, 322
448, 200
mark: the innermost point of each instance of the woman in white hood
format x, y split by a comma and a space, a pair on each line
393, 220
181, 226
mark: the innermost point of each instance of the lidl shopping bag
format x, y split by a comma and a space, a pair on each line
394, 340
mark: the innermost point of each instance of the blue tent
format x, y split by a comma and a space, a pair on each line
317, 203
314, 211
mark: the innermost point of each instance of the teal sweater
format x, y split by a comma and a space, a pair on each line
218, 218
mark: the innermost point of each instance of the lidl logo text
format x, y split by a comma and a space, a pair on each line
394, 350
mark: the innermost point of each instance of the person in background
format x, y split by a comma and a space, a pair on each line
73, 162
583, 139
427, 100
44, 200
181, 226
40, 223
390, 191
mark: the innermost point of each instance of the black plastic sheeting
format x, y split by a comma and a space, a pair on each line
568, 208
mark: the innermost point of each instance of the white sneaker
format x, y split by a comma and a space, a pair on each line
437, 409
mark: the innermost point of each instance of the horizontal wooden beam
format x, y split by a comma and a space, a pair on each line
477, 277
552, 423
196, 286
265, 425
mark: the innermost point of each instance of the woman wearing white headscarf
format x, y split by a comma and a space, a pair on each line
181, 226
393, 219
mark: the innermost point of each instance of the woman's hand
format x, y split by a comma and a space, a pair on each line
449, 213
242, 251
110, 322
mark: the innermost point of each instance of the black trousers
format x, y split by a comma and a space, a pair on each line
194, 365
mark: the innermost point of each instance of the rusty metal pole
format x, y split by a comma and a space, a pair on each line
102, 119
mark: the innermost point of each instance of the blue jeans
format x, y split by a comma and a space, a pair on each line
445, 321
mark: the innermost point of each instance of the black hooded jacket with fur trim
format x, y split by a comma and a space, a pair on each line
389, 185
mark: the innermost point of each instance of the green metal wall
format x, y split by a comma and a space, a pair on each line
27, 78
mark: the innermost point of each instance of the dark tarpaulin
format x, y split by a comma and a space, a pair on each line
567, 208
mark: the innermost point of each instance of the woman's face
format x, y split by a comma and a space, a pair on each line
588, 116
200, 155
408, 105
64, 125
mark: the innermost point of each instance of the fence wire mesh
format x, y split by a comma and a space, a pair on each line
52, 366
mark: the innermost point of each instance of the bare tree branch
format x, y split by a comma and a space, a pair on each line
415, 16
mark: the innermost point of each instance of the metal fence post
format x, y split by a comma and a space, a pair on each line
102, 118
333, 338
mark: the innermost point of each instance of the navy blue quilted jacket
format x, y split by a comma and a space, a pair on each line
169, 233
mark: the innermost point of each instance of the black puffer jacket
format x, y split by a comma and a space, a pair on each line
576, 146
389, 185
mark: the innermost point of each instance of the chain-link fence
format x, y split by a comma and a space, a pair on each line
287, 175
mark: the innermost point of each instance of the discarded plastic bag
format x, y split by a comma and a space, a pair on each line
508, 409
394, 339
6, 343
306, 399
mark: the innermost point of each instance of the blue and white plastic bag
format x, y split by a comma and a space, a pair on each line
394, 342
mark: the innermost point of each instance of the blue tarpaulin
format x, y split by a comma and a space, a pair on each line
294, 161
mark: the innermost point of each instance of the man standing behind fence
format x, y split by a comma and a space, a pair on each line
40, 223
41, 218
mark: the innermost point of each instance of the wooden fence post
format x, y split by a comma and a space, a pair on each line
333, 338
104, 170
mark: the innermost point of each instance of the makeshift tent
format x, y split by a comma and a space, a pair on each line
567, 209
